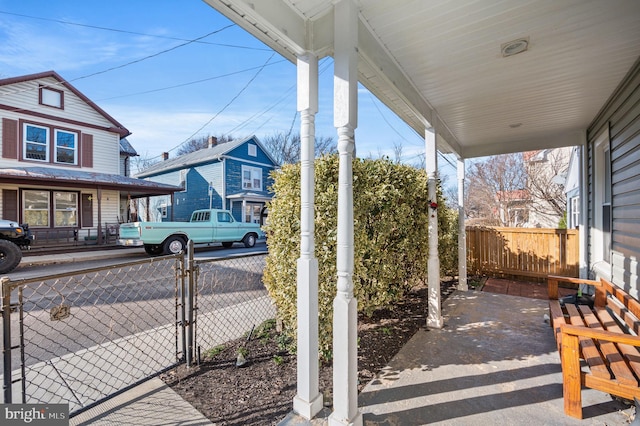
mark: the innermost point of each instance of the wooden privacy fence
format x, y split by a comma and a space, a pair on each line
528, 252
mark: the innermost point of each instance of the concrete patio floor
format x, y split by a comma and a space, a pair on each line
494, 362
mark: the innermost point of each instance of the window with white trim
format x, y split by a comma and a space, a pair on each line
575, 212
66, 147
252, 178
38, 144
253, 150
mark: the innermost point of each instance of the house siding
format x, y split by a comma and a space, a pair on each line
98, 151
622, 116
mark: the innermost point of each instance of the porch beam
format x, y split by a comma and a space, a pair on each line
462, 232
434, 315
308, 400
345, 314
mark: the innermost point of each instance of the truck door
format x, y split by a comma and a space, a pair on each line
227, 228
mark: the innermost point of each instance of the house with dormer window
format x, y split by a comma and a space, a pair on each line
233, 175
64, 162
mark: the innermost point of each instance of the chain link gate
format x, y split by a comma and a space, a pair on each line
82, 337
229, 300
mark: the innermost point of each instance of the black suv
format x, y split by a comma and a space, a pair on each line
13, 238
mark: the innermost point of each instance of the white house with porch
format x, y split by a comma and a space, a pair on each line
477, 79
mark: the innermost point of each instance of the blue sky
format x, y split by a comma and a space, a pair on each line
135, 59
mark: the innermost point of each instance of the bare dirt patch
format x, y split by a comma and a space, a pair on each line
261, 391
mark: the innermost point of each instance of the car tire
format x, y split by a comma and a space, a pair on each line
10, 256
249, 240
174, 245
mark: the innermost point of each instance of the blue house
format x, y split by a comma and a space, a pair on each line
230, 175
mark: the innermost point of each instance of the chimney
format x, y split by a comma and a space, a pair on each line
213, 141
165, 156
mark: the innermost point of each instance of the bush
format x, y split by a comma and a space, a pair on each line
391, 212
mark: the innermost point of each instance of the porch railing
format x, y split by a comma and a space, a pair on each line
522, 252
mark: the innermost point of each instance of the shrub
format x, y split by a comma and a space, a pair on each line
391, 212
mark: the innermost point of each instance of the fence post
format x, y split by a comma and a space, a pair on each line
190, 328
6, 338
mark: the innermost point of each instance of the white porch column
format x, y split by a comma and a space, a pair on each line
345, 314
308, 400
583, 191
462, 235
434, 316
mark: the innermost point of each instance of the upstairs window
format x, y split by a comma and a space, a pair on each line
49, 145
51, 97
66, 147
253, 150
36, 143
252, 178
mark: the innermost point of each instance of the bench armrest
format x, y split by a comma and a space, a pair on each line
553, 282
592, 333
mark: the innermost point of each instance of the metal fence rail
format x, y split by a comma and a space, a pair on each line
79, 338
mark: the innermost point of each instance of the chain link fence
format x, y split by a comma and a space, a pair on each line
230, 299
82, 337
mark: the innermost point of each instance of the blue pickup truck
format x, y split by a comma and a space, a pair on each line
206, 226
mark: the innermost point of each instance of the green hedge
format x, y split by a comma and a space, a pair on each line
391, 212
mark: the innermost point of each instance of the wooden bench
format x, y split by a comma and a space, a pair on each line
603, 337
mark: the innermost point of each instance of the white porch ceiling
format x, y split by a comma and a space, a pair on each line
438, 63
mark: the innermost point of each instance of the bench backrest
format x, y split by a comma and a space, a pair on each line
623, 305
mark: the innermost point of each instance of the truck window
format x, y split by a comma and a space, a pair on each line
224, 217
200, 217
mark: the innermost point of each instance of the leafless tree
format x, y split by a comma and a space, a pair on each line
546, 172
201, 142
496, 191
285, 148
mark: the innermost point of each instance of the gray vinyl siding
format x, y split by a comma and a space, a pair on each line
622, 115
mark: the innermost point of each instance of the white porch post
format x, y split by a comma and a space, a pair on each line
583, 191
345, 314
308, 400
434, 316
462, 235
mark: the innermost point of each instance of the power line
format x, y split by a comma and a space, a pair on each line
117, 30
190, 82
150, 56
227, 105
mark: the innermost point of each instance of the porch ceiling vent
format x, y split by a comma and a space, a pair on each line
514, 47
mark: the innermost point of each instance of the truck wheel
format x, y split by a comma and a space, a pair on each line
174, 245
249, 240
227, 244
10, 256
153, 249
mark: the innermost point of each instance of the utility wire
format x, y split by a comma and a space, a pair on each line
190, 82
96, 27
151, 56
227, 105
119, 66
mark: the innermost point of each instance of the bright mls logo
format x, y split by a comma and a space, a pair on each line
35, 414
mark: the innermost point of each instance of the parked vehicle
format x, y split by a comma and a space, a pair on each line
13, 238
205, 226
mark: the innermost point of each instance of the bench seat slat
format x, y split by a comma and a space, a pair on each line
588, 348
615, 360
630, 353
